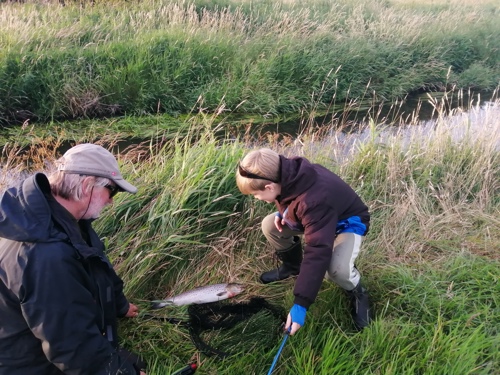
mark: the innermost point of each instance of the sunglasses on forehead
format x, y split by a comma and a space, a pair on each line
244, 173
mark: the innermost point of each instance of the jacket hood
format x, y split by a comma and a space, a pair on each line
297, 176
25, 215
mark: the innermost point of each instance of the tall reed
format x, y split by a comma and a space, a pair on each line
262, 57
430, 261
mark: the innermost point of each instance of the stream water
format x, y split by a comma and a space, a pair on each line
413, 110
480, 122
481, 114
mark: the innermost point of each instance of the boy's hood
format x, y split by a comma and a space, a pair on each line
297, 176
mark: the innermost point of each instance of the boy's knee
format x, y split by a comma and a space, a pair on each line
337, 274
343, 276
267, 224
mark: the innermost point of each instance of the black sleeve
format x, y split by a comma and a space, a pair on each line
62, 313
122, 303
319, 234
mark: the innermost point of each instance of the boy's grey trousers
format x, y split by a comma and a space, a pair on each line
345, 251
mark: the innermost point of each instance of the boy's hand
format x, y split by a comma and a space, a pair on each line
133, 311
296, 318
279, 222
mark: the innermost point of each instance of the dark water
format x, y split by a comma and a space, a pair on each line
418, 112
412, 110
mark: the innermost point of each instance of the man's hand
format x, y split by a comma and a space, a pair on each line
296, 318
133, 311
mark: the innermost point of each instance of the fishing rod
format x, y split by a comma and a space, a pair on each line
176, 321
278, 354
187, 370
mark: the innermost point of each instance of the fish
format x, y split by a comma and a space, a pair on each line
202, 294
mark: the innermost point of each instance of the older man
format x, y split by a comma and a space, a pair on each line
59, 295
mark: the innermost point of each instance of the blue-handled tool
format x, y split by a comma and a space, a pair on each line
278, 354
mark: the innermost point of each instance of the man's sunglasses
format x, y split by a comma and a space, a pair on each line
113, 190
244, 173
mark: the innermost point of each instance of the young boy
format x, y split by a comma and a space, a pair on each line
315, 202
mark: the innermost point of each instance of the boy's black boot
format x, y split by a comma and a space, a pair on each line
360, 306
291, 258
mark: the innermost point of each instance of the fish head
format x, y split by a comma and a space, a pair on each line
234, 289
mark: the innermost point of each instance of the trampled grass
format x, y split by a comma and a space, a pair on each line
267, 57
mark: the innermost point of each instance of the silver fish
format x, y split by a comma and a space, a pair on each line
202, 294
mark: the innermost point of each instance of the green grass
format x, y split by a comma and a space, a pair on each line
431, 260
262, 56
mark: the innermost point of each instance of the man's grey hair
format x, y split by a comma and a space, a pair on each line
70, 186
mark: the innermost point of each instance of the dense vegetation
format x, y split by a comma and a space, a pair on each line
431, 260
107, 58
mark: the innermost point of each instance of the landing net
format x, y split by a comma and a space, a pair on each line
223, 328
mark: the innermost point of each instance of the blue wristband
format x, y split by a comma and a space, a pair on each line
279, 215
298, 314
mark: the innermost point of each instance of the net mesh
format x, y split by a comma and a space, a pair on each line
223, 329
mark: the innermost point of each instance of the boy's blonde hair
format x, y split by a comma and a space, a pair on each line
265, 163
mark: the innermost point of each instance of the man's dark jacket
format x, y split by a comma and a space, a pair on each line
316, 199
59, 295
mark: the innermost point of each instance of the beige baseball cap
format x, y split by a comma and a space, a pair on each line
93, 160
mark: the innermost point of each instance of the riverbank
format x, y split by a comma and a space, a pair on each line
266, 57
431, 260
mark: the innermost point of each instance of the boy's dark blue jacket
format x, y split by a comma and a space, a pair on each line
59, 295
316, 199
